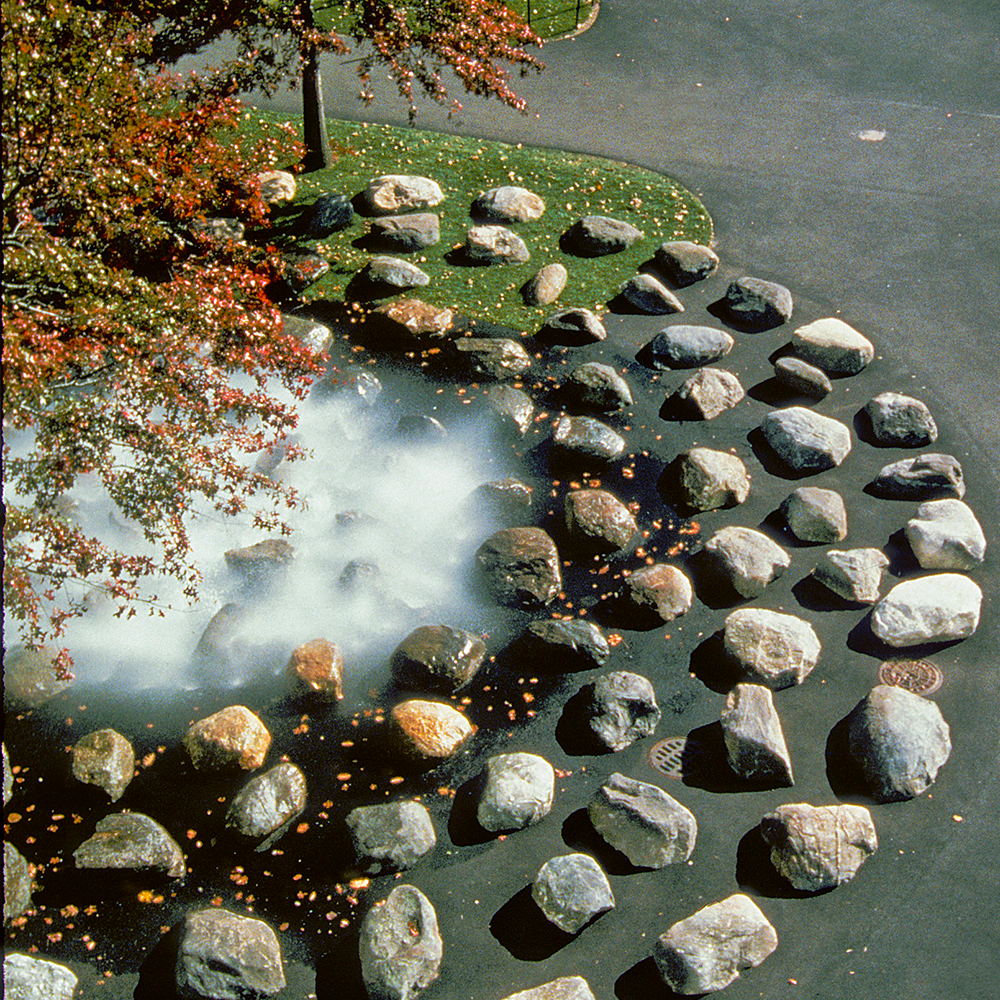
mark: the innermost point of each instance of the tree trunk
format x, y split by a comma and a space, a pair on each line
318, 154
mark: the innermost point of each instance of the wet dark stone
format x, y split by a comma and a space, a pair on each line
105, 759
437, 658
586, 438
266, 805
925, 477
521, 566
329, 214
30, 677
572, 328
621, 708
133, 841
392, 836
574, 644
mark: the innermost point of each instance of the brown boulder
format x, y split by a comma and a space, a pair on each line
318, 666
233, 737
431, 728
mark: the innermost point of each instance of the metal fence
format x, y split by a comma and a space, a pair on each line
550, 18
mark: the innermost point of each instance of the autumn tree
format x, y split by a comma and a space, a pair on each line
417, 41
138, 349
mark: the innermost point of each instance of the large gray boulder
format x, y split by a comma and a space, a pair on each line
227, 956
597, 386
938, 608
898, 741
853, 574
106, 759
517, 793
815, 515
495, 358
833, 345
566, 988
819, 847
709, 949
571, 890
755, 743
685, 262
267, 804
651, 828
597, 236
394, 272
316, 667
586, 438
802, 378
17, 883
758, 304
28, 978
400, 945
572, 328
658, 589
901, 421
706, 394
649, 295
513, 407
495, 245
415, 231
437, 658
946, 535
521, 566
689, 346
771, 648
805, 440
621, 708
391, 836
132, 841
8, 776
394, 193
408, 321
276, 186
925, 477
704, 479
545, 285
508, 204
598, 520
746, 558
31, 677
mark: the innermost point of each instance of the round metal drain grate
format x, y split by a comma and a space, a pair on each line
918, 676
667, 756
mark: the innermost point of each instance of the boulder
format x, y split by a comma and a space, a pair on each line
649, 295
595, 386
815, 515
437, 658
27, 978
394, 193
31, 677
901, 421
597, 236
391, 836
227, 956
233, 737
431, 729
408, 320
771, 648
8, 776
939, 608
277, 187
748, 559
925, 477
706, 394
688, 346
407, 233
566, 988
493, 357
106, 759
513, 406
571, 890
755, 743
521, 567
805, 440
834, 346
545, 286
261, 562
495, 245
134, 841
898, 741
218, 230
572, 328
508, 204
598, 520
854, 574
400, 945
361, 576
394, 273
330, 213
802, 378
573, 644
819, 847
621, 708
504, 499
17, 883
708, 950
658, 589
266, 805
946, 535
317, 667
703, 479
758, 304
517, 792
643, 822
684, 262
299, 271
587, 439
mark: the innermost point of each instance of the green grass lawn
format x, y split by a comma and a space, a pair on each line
572, 186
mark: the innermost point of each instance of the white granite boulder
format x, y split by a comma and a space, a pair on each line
393, 193
938, 608
747, 558
805, 440
688, 346
771, 648
704, 479
495, 245
755, 743
901, 421
517, 793
649, 295
566, 988
834, 346
706, 394
853, 574
29, 978
946, 535
571, 890
545, 286
508, 203
685, 262
815, 515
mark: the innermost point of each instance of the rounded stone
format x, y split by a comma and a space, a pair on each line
106, 759
232, 737
317, 666
517, 792
431, 729
571, 890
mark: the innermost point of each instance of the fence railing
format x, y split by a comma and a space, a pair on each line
551, 18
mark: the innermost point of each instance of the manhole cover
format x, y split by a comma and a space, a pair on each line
667, 756
918, 676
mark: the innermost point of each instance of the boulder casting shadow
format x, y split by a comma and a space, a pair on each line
521, 927
713, 666
579, 834
644, 982
756, 875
